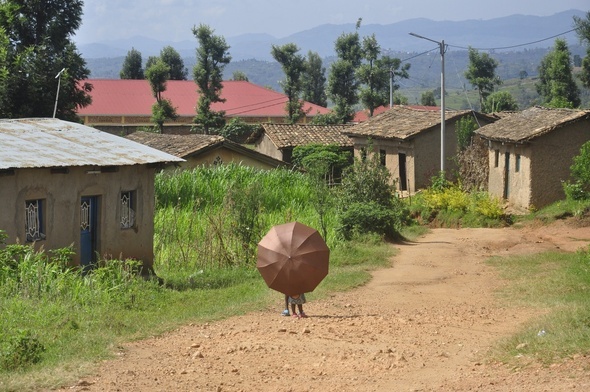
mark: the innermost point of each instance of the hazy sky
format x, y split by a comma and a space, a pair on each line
173, 20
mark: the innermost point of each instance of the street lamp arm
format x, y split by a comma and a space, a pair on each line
427, 39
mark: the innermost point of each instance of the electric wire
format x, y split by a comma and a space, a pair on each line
516, 46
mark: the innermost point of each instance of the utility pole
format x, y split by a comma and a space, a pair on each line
442, 48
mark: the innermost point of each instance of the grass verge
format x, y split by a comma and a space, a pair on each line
74, 336
558, 284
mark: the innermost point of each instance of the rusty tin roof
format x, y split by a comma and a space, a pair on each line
50, 142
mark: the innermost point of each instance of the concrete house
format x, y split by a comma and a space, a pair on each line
64, 183
531, 152
408, 140
205, 150
279, 140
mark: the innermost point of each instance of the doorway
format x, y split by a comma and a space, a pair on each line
88, 231
403, 178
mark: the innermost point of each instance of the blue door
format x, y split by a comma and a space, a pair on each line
88, 230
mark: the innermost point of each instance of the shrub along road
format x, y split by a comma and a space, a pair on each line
426, 324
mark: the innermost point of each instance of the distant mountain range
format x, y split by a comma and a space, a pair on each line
503, 32
251, 52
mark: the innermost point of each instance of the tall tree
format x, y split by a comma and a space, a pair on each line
132, 65
38, 45
239, 76
583, 31
427, 98
293, 65
342, 81
174, 62
556, 83
371, 76
212, 57
499, 101
162, 109
376, 75
481, 73
314, 81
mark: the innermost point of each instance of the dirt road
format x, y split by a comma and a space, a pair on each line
423, 325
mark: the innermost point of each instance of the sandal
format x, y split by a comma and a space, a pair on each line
302, 315
295, 315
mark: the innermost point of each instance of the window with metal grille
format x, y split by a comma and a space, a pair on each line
127, 209
34, 222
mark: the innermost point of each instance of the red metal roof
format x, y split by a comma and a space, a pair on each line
134, 98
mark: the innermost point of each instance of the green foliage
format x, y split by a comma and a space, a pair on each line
37, 46
465, 129
212, 57
449, 205
326, 119
157, 76
162, 111
314, 80
368, 183
237, 130
427, 98
556, 82
132, 65
293, 65
579, 187
558, 283
20, 350
212, 217
342, 80
369, 217
327, 161
481, 73
239, 76
246, 203
367, 180
500, 101
175, 64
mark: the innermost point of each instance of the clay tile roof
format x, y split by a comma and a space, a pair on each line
363, 115
292, 135
402, 122
531, 123
180, 146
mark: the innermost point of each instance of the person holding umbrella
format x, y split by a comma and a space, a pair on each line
293, 259
298, 300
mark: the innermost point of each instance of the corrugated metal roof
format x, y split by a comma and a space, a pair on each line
49, 142
125, 97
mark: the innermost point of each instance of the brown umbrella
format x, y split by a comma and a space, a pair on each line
293, 258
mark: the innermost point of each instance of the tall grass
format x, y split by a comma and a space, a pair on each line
55, 321
212, 218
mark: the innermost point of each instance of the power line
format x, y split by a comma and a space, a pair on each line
519, 45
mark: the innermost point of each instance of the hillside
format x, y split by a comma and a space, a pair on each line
251, 52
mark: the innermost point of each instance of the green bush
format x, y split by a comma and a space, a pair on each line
370, 217
20, 350
237, 130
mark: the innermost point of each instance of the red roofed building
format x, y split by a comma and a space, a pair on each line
122, 105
